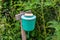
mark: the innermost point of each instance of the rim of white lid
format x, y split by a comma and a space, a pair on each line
28, 18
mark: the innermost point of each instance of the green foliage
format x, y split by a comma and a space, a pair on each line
56, 25
45, 10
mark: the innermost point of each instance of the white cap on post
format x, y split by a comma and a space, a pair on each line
28, 13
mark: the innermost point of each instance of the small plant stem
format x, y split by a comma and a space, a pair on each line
28, 35
58, 14
43, 17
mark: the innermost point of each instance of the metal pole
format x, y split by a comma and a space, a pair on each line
23, 33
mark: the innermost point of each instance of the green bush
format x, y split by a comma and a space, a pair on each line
45, 10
